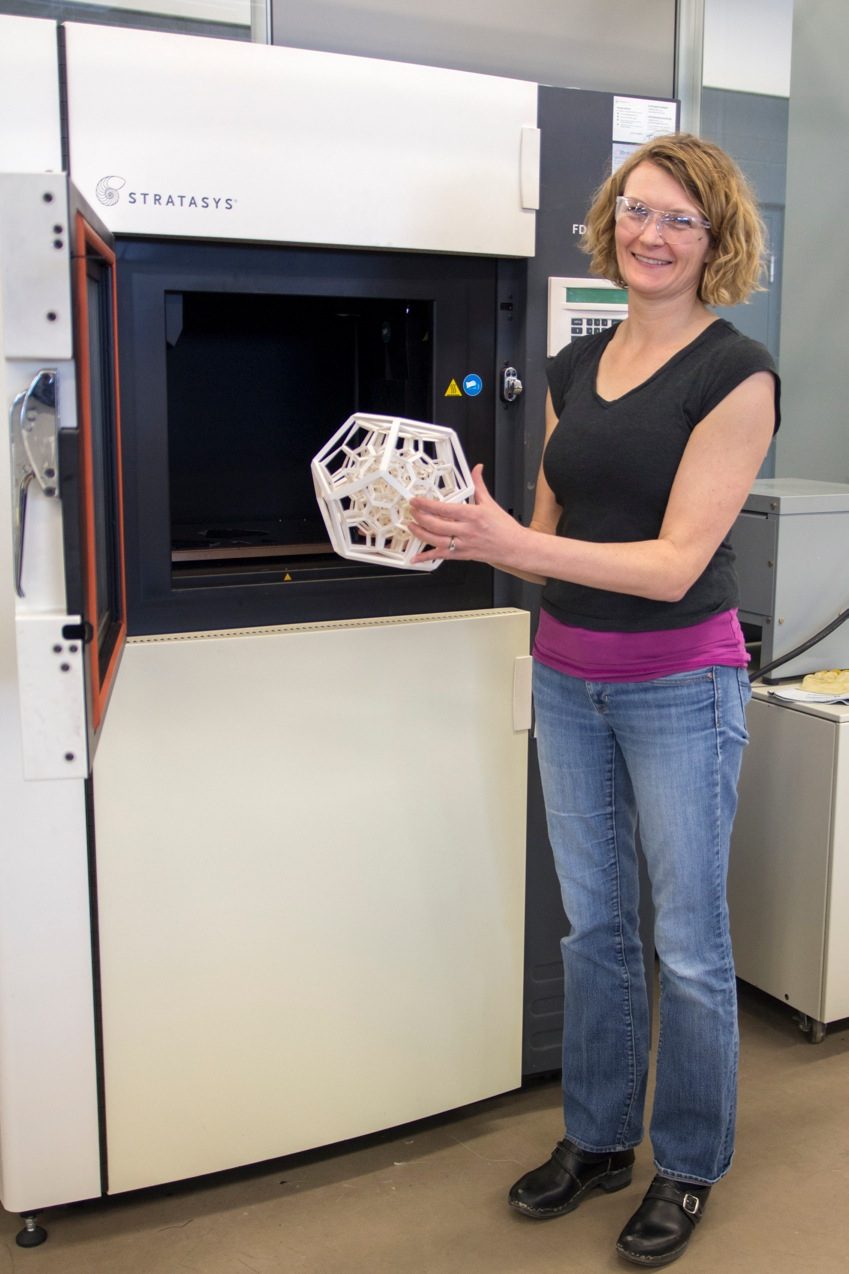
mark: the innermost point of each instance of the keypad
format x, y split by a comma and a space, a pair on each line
587, 326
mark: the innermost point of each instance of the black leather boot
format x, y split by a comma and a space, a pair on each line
662, 1226
559, 1185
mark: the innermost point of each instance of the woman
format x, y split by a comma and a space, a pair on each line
655, 431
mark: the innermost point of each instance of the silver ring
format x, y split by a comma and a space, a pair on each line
451, 545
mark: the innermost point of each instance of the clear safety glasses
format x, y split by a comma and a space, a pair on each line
670, 225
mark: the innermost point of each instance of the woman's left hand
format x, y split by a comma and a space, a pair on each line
481, 532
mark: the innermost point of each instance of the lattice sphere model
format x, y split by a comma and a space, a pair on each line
368, 472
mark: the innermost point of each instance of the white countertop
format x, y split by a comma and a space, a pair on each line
838, 712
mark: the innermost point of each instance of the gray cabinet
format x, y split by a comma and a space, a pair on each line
788, 884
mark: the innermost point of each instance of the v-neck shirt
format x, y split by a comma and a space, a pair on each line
611, 465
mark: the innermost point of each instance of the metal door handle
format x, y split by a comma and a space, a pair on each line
511, 385
33, 422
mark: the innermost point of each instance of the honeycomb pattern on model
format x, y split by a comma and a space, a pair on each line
368, 472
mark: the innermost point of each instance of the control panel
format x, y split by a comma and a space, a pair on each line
580, 307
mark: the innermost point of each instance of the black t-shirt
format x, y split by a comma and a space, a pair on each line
611, 466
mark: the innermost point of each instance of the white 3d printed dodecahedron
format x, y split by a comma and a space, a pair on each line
366, 476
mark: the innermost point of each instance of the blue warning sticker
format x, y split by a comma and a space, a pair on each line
472, 384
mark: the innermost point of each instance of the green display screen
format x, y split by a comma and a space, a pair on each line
597, 296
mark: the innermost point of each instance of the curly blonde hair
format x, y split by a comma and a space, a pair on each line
712, 179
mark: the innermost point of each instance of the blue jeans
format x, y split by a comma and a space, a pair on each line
667, 752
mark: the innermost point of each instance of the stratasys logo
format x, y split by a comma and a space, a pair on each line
109, 191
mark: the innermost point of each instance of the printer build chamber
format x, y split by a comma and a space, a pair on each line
238, 363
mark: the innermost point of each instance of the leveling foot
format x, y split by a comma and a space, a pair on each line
32, 1234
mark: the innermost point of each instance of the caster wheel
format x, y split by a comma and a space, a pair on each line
31, 1235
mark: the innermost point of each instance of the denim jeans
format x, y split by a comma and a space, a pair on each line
666, 752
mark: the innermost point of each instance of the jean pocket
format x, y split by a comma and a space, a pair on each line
745, 687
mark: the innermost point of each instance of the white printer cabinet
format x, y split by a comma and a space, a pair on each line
788, 884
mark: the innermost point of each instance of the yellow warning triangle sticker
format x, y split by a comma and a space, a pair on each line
453, 390
287, 578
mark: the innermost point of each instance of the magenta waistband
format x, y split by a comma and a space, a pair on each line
603, 656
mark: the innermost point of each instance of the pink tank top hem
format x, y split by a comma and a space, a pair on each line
604, 656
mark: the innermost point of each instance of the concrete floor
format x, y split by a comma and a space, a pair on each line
429, 1198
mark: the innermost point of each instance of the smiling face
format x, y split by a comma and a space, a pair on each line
649, 263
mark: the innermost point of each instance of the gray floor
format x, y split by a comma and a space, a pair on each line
429, 1199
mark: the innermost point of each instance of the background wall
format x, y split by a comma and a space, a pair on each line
236, 12
815, 326
744, 107
747, 46
753, 128
223, 19
612, 45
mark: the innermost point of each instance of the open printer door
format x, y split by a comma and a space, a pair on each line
61, 637
61, 335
